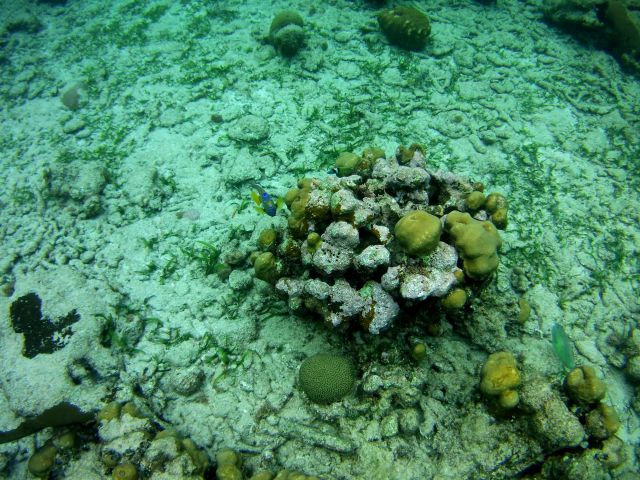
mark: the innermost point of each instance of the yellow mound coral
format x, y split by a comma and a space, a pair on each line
477, 243
418, 232
584, 386
500, 378
41, 462
265, 267
455, 299
347, 163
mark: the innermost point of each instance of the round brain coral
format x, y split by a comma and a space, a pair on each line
406, 27
326, 378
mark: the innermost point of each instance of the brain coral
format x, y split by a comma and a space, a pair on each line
326, 378
406, 27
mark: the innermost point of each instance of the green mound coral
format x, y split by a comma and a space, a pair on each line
455, 300
347, 163
406, 27
41, 462
266, 267
497, 207
125, 471
286, 33
477, 243
418, 232
326, 378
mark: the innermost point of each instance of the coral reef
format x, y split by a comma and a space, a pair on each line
405, 26
131, 446
362, 244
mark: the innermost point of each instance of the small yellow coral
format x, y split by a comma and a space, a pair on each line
475, 200
262, 475
500, 378
109, 412
602, 422
265, 267
419, 351
476, 241
508, 399
125, 471
228, 472
41, 462
226, 456
347, 163
455, 300
198, 457
525, 310
297, 200
584, 386
267, 239
494, 202
499, 218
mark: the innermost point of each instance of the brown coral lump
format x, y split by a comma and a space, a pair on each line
406, 27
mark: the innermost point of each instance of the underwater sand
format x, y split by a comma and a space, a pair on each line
182, 109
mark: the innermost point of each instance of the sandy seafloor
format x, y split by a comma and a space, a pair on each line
184, 108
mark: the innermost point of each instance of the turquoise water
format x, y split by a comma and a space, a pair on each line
133, 135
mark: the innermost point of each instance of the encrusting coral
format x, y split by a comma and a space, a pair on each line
364, 242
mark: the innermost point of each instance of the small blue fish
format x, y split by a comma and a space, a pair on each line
265, 202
